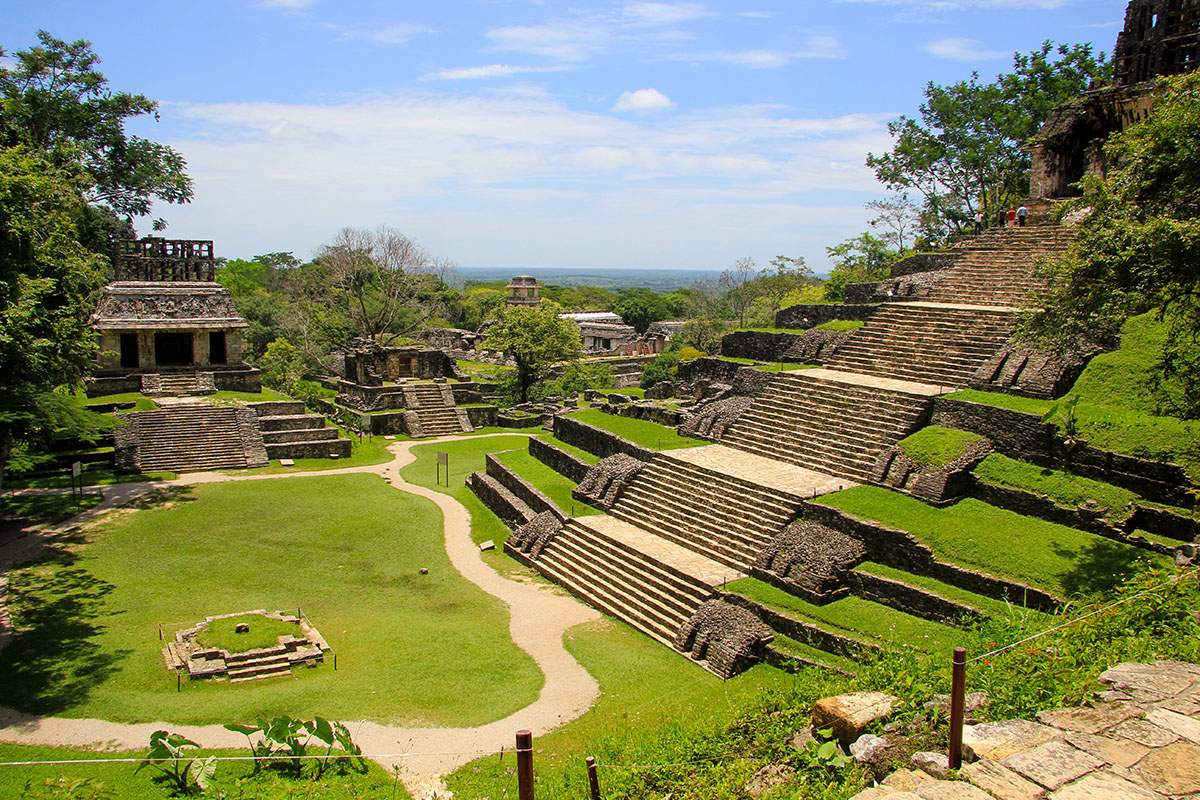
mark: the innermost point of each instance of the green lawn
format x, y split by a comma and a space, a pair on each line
550, 483
1063, 561
47, 507
264, 632
94, 476
934, 446
841, 325
346, 548
1063, 488
648, 693
639, 431
584, 455
234, 779
855, 617
988, 605
363, 452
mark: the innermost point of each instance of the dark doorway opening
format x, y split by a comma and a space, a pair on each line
173, 349
129, 350
216, 347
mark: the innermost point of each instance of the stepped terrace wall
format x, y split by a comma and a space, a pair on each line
597, 440
559, 460
802, 317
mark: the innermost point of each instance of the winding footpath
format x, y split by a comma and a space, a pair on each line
538, 617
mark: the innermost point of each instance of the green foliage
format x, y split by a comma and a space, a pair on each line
861, 259
935, 446
177, 758
54, 101
1062, 414
639, 307
280, 365
967, 149
535, 338
662, 368
689, 353
841, 325
264, 632
67, 789
1064, 488
1137, 247
578, 376
639, 431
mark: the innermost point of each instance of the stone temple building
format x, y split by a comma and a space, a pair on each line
523, 290
166, 325
1160, 37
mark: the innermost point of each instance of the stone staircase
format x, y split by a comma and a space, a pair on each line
997, 267
618, 569
825, 425
288, 431
435, 409
719, 516
177, 384
925, 342
193, 437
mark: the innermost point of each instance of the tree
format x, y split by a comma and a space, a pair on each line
898, 217
640, 307
966, 152
1138, 248
46, 277
535, 338
54, 101
740, 290
789, 275
862, 259
385, 282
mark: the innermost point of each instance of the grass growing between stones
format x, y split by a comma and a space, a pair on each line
934, 446
639, 431
854, 617
1063, 488
235, 780
263, 632
651, 699
555, 486
1063, 561
346, 548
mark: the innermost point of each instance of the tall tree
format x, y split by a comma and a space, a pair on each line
739, 288
1138, 248
786, 276
535, 338
54, 100
966, 150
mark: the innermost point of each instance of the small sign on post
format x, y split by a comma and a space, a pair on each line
443, 460
76, 472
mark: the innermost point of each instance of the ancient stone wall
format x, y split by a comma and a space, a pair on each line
730, 638
803, 631
802, 317
520, 487
559, 460
606, 481
757, 345
910, 599
596, 440
511, 510
923, 262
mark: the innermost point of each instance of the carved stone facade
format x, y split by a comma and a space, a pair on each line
1161, 37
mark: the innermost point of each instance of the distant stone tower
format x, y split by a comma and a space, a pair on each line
524, 290
1161, 37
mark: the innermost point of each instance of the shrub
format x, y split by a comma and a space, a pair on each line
688, 353
663, 368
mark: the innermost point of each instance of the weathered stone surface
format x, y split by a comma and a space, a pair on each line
882, 792
1121, 752
1053, 764
1176, 723
801, 739
950, 790
1147, 682
998, 740
906, 780
1001, 781
1173, 770
1103, 786
867, 746
768, 778
935, 765
1143, 732
1087, 720
848, 714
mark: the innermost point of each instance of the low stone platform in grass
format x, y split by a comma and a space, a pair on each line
188, 653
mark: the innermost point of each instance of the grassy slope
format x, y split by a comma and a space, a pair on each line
988, 605
640, 431
347, 548
935, 446
1061, 560
1062, 487
549, 482
1116, 410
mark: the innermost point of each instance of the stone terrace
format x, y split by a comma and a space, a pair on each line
997, 267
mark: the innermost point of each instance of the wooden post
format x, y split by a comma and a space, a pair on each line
958, 688
524, 765
593, 778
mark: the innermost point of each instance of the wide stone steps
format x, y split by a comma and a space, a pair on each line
1002, 270
189, 439
440, 421
622, 581
299, 435
803, 452
288, 431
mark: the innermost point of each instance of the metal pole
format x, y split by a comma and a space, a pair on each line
593, 778
178, 682
524, 765
958, 686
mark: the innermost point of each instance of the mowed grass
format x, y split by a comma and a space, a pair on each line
639, 431
1064, 561
347, 549
263, 632
363, 452
555, 486
935, 446
853, 616
1063, 488
988, 605
647, 692
235, 780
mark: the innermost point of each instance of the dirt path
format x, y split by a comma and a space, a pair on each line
539, 616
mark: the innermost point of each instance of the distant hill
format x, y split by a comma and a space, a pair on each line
660, 280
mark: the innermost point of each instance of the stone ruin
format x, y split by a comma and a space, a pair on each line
306, 647
811, 559
605, 481
729, 638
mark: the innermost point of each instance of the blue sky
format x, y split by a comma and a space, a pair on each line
520, 133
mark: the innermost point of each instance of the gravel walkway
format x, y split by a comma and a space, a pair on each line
539, 616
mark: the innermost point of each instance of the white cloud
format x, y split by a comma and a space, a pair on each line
643, 100
395, 33
958, 49
663, 13
565, 41
817, 45
490, 71
287, 5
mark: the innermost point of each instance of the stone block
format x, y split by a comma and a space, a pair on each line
1176, 723
906, 780
1172, 770
867, 747
1053, 764
1121, 752
1000, 781
998, 740
1088, 720
1103, 786
1147, 682
950, 790
936, 765
849, 714
1145, 733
